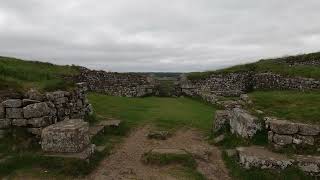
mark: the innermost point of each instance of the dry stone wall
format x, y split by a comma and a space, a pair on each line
36, 111
117, 84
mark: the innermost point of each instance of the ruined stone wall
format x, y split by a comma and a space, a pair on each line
235, 84
282, 133
35, 110
117, 84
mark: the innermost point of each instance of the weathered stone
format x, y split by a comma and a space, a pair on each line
283, 127
2, 111
219, 139
221, 120
85, 154
309, 129
260, 157
245, 98
14, 113
34, 95
36, 110
5, 123
26, 102
61, 100
309, 140
65, 136
12, 103
162, 135
309, 164
231, 152
282, 139
19, 122
244, 124
40, 122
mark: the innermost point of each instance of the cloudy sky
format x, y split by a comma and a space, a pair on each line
157, 35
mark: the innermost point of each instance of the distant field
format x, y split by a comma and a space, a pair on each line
18, 74
278, 66
166, 113
291, 105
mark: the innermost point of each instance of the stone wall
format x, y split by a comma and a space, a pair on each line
235, 84
117, 84
35, 110
282, 133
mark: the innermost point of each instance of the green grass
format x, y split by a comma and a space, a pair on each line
277, 65
165, 113
290, 105
239, 173
18, 74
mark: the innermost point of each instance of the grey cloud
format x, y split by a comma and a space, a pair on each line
152, 35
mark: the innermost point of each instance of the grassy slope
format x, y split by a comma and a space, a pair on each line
291, 105
271, 65
167, 113
18, 74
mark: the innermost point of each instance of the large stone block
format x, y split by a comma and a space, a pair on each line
26, 102
68, 136
36, 110
308, 129
283, 127
19, 122
12, 103
282, 139
14, 113
244, 124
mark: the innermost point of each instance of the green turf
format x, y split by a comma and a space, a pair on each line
167, 113
290, 105
19, 74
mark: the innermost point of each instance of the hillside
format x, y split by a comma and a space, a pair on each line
305, 65
19, 75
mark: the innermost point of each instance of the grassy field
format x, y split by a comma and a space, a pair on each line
18, 74
166, 113
290, 105
278, 65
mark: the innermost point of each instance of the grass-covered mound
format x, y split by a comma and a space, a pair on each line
281, 66
291, 105
18, 75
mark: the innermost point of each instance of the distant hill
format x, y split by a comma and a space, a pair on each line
305, 65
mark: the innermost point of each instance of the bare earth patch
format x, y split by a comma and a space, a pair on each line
125, 161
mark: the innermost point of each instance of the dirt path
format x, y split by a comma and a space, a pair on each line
125, 162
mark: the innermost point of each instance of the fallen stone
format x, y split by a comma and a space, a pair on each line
19, 122
162, 135
95, 130
260, 157
308, 129
221, 120
14, 113
110, 123
26, 102
12, 103
5, 123
282, 139
68, 136
283, 127
36, 110
219, 139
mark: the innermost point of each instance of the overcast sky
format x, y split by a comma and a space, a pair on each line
157, 35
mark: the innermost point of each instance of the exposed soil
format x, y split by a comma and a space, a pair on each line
125, 161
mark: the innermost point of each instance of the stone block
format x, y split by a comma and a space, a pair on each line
283, 127
19, 122
5, 123
270, 136
40, 122
309, 164
282, 139
36, 110
220, 120
12, 103
309, 129
308, 140
14, 113
68, 136
26, 102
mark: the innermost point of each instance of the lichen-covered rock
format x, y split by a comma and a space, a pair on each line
244, 124
309, 129
220, 121
12, 103
309, 164
67, 136
19, 122
36, 110
299, 139
40, 122
5, 123
282, 139
14, 113
283, 127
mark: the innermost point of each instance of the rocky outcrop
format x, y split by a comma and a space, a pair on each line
282, 133
117, 84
